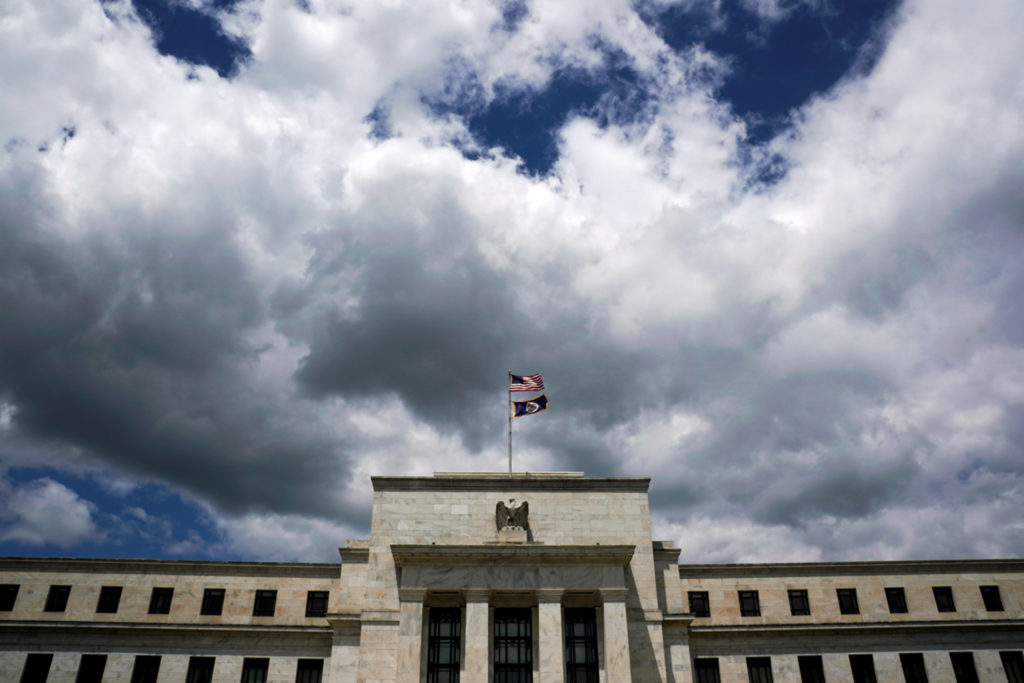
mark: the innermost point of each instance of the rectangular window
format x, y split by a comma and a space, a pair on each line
57, 598
254, 669
264, 604
913, 667
1013, 665
444, 640
799, 605
8, 594
897, 600
513, 645
160, 600
811, 669
944, 598
316, 603
213, 601
963, 667
37, 668
750, 604
90, 669
699, 605
759, 669
863, 668
146, 669
993, 601
110, 598
200, 670
312, 671
706, 670
581, 645
847, 600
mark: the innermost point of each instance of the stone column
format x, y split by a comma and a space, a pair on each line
616, 635
550, 656
410, 634
476, 658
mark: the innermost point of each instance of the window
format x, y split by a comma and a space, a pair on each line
759, 669
993, 601
811, 669
90, 669
37, 668
57, 598
847, 600
863, 668
254, 669
963, 667
913, 667
160, 601
110, 598
581, 644
8, 594
316, 603
213, 601
706, 670
750, 605
513, 645
944, 598
1013, 665
200, 670
263, 605
146, 669
699, 605
799, 605
312, 671
444, 637
897, 600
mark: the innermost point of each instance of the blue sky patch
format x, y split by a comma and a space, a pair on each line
193, 36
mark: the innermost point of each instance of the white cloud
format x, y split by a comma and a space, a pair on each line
42, 512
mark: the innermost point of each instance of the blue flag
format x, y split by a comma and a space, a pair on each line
534, 405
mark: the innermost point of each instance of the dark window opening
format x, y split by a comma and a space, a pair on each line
581, 645
993, 601
8, 595
213, 601
897, 600
264, 604
913, 667
200, 670
863, 668
963, 667
811, 669
944, 598
160, 600
1013, 665
699, 604
110, 598
847, 601
706, 670
750, 604
316, 603
444, 641
799, 605
310, 671
146, 669
759, 669
57, 598
254, 669
37, 668
90, 669
513, 645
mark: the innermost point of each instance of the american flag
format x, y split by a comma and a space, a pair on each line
526, 383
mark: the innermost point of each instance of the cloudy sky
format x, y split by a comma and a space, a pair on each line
769, 253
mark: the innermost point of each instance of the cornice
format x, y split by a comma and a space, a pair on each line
688, 571
517, 555
518, 482
205, 567
876, 627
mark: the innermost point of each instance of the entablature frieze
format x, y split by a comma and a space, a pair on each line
494, 555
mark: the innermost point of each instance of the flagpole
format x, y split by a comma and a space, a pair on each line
508, 407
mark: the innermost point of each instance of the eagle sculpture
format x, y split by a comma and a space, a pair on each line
510, 515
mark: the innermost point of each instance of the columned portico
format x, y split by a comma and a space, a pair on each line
616, 635
478, 637
410, 634
549, 635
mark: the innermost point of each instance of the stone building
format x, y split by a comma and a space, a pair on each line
459, 582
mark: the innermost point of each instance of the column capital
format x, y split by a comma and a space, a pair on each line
412, 594
477, 594
613, 594
549, 594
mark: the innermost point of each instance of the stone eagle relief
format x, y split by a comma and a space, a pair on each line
512, 516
